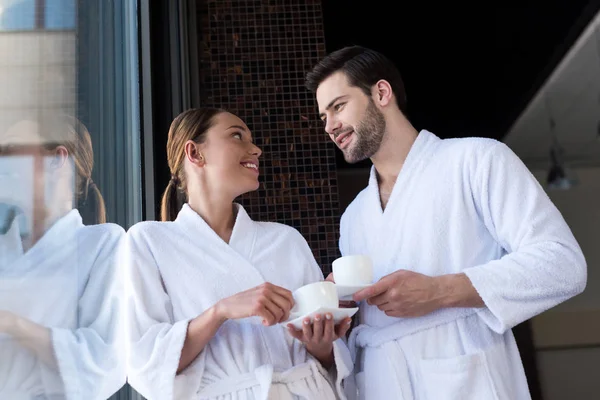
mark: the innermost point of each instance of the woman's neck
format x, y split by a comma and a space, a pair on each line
219, 214
42, 223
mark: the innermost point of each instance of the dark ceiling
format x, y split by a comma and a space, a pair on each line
469, 68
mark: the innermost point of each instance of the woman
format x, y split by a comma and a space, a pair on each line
58, 287
210, 284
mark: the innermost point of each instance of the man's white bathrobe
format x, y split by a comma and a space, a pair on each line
180, 269
459, 205
68, 282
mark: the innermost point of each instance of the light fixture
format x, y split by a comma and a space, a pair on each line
558, 176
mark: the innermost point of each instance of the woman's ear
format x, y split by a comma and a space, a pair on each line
60, 156
193, 153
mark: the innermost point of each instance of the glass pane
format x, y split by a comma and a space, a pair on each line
69, 188
60, 14
17, 15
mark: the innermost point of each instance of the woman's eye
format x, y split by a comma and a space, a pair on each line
237, 135
339, 106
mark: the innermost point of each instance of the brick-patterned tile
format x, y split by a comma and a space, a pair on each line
254, 56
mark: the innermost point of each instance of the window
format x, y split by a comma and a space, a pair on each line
29, 15
68, 85
59, 14
17, 15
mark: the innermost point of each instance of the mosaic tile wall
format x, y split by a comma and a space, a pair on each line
254, 56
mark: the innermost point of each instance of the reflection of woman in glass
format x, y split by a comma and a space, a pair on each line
59, 308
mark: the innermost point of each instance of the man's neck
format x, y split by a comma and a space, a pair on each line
397, 142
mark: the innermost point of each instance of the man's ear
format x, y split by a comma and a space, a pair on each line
382, 93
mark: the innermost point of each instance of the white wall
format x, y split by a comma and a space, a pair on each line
567, 337
570, 374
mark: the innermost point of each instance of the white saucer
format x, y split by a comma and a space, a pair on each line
346, 292
339, 314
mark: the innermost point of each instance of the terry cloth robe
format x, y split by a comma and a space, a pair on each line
67, 282
180, 269
459, 205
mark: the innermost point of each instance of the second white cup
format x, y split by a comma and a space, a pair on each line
356, 270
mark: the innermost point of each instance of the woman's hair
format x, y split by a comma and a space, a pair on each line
90, 202
189, 125
78, 142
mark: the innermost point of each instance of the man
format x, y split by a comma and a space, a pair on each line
464, 241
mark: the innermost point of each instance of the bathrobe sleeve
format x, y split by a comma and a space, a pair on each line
342, 358
90, 358
543, 265
154, 339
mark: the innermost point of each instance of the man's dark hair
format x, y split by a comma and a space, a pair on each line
363, 68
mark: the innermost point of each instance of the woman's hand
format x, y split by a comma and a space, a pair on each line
319, 336
270, 302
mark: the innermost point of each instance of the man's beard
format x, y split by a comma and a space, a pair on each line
368, 136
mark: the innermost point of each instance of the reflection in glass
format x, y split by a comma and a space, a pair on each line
17, 15
60, 14
59, 289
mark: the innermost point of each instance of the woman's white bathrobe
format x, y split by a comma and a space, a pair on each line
180, 269
459, 205
68, 282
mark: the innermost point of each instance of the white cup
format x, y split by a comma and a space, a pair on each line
354, 270
310, 297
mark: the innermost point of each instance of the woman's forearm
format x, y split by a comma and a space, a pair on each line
200, 331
